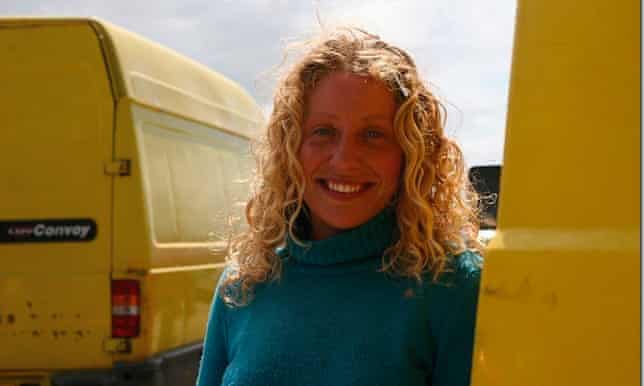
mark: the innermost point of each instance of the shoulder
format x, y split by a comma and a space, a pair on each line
467, 278
454, 296
458, 286
455, 303
281, 252
462, 270
228, 288
467, 266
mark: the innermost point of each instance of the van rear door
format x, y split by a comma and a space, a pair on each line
56, 128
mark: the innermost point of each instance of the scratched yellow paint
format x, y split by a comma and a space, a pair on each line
56, 109
560, 300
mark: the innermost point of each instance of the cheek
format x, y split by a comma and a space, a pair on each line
392, 169
309, 159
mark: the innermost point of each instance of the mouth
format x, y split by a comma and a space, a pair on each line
344, 188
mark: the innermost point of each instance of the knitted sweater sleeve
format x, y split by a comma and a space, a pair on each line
214, 358
455, 346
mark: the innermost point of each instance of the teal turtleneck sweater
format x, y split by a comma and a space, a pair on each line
333, 319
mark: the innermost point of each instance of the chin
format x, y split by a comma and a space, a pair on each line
346, 221
344, 225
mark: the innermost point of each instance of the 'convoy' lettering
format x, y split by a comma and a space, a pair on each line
48, 231
79, 231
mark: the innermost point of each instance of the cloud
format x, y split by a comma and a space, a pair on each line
462, 47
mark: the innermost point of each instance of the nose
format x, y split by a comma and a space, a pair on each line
346, 153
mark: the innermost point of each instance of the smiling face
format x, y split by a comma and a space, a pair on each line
349, 153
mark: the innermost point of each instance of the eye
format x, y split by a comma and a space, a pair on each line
323, 131
374, 133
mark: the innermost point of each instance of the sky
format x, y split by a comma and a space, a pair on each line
461, 47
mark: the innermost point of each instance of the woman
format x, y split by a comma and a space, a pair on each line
360, 264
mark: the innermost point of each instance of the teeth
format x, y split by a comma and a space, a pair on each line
343, 188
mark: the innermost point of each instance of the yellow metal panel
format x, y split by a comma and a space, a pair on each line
132, 240
179, 309
56, 109
573, 119
171, 159
14, 378
171, 186
185, 192
559, 302
150, 84
54, 320
196, 179
157, 76
172, 116
174, 308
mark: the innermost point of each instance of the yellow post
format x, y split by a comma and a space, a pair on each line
560, 297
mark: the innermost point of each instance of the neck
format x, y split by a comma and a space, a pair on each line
367, 240
321, 230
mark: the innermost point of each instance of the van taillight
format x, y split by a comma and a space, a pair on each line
126, 320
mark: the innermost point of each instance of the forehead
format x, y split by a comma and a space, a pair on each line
345, 92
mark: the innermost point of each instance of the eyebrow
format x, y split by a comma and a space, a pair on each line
369, 117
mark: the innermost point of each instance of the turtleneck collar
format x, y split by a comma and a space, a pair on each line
368, 240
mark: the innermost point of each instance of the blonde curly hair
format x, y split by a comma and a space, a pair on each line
436, 207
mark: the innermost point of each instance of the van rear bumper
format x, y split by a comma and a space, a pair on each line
172, 368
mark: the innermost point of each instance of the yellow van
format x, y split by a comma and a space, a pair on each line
123, 170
